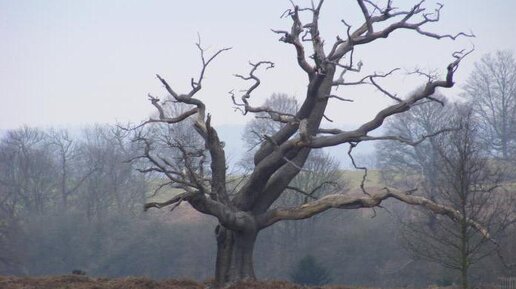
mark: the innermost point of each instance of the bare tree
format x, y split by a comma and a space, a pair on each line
67, 158
108, 180
244, 213
9, 225
464, 180
406, 166
28, 169
27, 186
491, 87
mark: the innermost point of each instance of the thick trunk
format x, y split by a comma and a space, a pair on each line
234, 256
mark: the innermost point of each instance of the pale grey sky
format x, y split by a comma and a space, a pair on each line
78, 62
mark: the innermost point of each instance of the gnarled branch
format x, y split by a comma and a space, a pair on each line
355, 201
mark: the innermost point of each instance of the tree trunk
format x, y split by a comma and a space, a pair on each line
464, 277
234, 256
464, 254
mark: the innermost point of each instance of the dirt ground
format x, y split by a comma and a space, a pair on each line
84, 282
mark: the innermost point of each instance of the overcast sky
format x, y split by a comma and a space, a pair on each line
80, 62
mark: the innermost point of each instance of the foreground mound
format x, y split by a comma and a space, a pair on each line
83, 282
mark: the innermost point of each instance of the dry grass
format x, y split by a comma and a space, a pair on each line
84, 282
81, 282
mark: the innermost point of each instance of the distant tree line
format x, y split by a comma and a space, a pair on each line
70, 199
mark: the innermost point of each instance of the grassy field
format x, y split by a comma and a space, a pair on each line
353, 178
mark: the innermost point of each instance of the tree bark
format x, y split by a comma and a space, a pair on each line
234, 255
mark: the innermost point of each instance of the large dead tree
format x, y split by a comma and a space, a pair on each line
244, 210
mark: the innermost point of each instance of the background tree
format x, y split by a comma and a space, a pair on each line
242, 214
28, 176
406, 166
263, 125
491, 88
459, 174
66, 157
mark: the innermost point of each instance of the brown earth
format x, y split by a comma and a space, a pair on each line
84, 282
